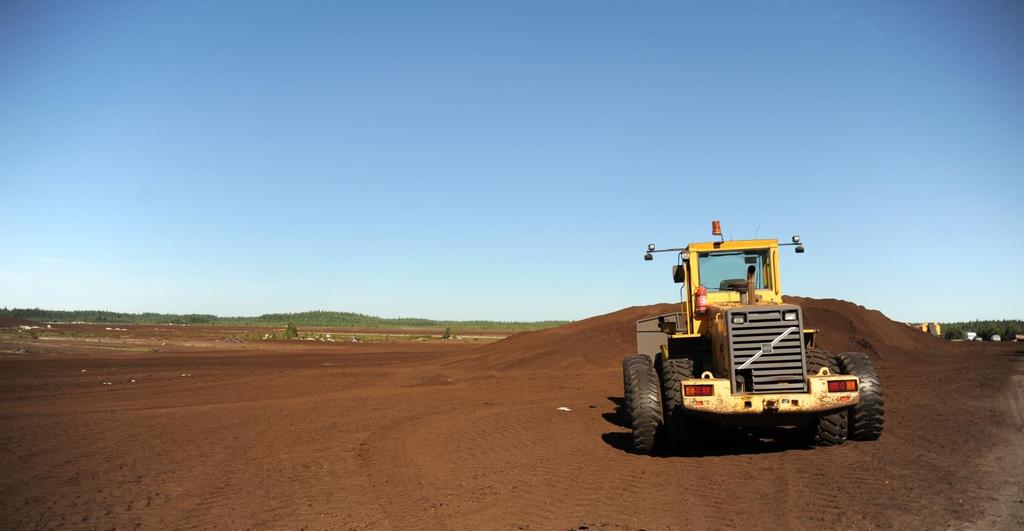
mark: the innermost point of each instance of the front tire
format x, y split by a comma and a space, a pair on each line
867, 417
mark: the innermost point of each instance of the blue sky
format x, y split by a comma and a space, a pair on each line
505, 160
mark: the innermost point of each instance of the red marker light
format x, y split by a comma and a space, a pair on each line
698, 390
842, 386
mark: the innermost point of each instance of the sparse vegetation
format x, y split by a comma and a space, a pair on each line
448, 334
304, 319
290, 332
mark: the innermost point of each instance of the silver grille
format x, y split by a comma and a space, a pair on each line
780, 367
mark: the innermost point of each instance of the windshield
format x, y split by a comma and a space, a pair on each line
727, 270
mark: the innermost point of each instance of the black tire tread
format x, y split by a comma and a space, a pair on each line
673, 372
831, 429
867, 417
630, 363
643, 402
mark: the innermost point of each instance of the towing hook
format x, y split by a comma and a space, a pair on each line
771, 406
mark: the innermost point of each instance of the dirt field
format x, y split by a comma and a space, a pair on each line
431, 434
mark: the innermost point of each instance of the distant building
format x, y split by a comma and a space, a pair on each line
972, 336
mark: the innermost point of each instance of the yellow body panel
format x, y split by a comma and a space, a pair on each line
723, 402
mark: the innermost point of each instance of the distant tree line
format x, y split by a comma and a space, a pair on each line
1006, 329
306, 319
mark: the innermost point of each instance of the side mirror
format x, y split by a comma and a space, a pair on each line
679, 274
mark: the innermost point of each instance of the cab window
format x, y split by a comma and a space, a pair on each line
727, 270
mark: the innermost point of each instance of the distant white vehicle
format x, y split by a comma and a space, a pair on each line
971, 336
995, 337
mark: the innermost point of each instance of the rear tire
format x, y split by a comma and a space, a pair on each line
630, 363
867, 417
643, 404
677, 424
830, 429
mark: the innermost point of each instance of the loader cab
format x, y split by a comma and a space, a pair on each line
722, 268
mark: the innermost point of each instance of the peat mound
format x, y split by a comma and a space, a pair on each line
844, 326
596, 341
605, 339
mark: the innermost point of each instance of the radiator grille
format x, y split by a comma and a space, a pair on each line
780, 367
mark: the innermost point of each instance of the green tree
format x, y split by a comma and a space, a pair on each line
953, 331
290, 332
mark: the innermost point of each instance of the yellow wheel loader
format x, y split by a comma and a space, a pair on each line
736, 355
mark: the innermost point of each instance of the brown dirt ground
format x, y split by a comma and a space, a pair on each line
458, 435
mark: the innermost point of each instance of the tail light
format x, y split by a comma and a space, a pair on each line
698, 390
842, 386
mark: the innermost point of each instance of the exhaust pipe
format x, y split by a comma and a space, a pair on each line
751, 285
